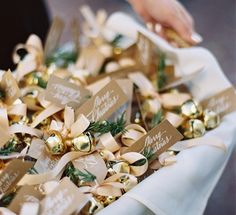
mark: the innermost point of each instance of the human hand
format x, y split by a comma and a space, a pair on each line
167, 13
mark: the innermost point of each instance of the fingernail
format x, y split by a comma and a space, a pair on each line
158, 28
197, 38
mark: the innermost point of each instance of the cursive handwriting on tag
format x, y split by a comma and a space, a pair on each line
104, 103
158, 140
61, 92
12, 174
64, 200
222, 103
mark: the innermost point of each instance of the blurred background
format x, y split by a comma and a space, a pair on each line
215, 20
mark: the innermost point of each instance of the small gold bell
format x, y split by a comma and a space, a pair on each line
21, 120
128, 183
191, 109
106, 200
151, 106
193, 128
121, 167
36, 79
43, 125
54, 143
93, 206
211, 119
83, 143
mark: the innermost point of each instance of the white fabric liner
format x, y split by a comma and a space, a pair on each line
185, 187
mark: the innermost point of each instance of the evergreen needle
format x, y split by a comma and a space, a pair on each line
106, 126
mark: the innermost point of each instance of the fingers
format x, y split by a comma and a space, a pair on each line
182, 23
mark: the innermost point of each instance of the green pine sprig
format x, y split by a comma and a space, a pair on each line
139, 162
106, 126
148, 153
161, 75
157, 118
76, 175
41, 83
8, 148
6, 199
62, 57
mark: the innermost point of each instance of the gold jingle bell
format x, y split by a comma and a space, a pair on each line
191, 109
128, 182
35, 78
21, 120
151, 106
121, 167
83, 143
193, 128
45, 124
92, 207
54, 143
106, 200
211, 119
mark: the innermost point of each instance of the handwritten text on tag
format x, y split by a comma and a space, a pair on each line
61, 92
104, 103
158, 140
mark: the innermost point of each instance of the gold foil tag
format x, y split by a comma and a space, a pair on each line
12, 174
10, 87
63, 200
26, 194
104, 103
61, 93
222, 103
157, 140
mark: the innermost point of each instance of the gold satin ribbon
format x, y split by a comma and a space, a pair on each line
109, 187
132, 134
132, 157
49, 111
44, 177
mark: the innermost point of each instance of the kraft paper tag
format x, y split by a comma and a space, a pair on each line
127, 86
157, 140
222, 103
146, 53
104, 103
94, 164
61, 93
26, 194
12, 174
63, 200
37, 147
45, 162
10, 87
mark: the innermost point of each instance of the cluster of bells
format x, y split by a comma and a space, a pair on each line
56, 145
197, 120
97, 203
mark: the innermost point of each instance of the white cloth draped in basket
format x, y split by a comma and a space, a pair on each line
183, 188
